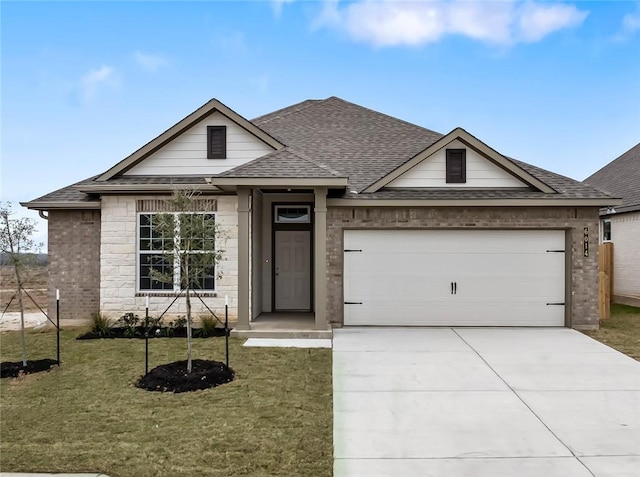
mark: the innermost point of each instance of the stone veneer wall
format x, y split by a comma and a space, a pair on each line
74, 263
584, 272
118, 262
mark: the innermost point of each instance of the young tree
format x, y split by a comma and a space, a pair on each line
16, 242
189, 238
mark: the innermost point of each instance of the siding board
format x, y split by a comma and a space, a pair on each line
432, 172
187, 154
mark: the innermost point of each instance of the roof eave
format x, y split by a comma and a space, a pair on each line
51, 205
340, 182
106, 188
555, 202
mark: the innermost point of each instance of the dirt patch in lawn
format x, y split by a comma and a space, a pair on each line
14, 369
34, 281
173, 377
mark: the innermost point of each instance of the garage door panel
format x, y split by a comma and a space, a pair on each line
503, 278
442, 315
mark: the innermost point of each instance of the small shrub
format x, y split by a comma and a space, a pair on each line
208, 325
101, 324
154, 322
129, 321
180, 322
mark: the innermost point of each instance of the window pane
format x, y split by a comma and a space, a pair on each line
292, 214
161, 264
201, 271
606, 231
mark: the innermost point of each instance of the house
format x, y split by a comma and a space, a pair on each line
621, 224
339, 212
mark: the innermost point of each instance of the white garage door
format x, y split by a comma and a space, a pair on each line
454, 277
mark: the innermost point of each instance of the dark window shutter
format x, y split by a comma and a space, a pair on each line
456, 166
216, 142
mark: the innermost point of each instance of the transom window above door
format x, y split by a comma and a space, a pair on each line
292, 214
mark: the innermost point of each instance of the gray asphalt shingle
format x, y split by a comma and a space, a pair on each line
621, 178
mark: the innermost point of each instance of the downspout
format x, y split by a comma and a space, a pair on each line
42, 216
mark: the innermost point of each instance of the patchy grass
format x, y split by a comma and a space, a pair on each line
621, 331
275, 418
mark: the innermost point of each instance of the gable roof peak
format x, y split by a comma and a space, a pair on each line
210, 107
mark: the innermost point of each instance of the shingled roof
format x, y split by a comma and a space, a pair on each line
283, 163
357, 142
621, 178
333, 139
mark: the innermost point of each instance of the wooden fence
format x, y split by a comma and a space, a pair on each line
605, 275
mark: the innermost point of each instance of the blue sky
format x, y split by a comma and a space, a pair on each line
84, 84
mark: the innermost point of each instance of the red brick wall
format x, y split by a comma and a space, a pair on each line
74, 263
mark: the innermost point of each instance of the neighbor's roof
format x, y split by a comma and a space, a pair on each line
331, 140
621, 178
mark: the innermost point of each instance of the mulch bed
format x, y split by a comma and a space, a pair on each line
155, 332
15, 369
173, 377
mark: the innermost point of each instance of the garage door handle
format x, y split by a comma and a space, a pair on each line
353, 303
555, 304
455, 288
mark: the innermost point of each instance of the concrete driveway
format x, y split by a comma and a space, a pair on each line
483, 402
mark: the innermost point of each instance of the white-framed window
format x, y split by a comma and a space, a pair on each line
606, 230
292, 214
154, 253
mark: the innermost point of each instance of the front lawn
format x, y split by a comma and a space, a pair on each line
275, 418
621, 331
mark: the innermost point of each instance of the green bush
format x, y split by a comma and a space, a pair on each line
101, 324
208, 325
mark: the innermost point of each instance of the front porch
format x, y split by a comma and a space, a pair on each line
283, 325
281, 255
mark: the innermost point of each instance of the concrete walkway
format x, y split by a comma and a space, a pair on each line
483, 402
10, 321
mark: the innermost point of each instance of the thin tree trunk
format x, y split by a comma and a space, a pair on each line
188, 329
22, 333
16, 268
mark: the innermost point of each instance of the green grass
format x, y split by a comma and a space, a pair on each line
621, 331
87, 416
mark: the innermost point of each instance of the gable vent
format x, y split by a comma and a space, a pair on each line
216, 142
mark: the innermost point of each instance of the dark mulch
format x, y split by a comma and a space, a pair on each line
173, 377
156, 332
15, 369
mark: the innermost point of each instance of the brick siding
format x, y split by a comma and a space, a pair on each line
74, 263
583, 273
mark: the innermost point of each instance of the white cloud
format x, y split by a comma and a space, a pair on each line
94, 80
631, 21
393, 23
630, 25
537, 21
278, 4
151, 63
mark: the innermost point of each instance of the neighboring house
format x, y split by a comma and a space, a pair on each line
621, 224
333, 209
